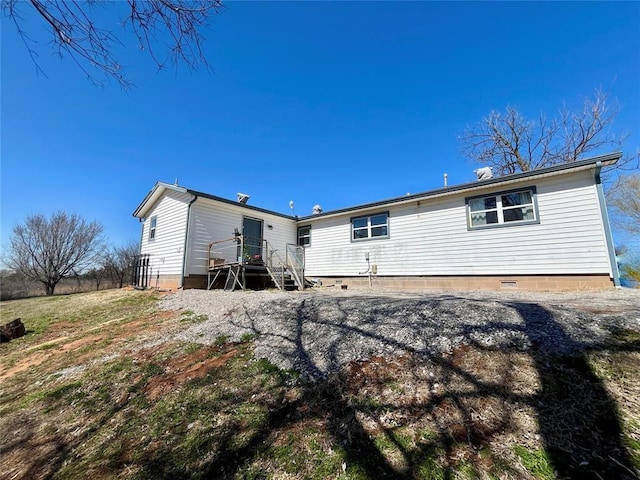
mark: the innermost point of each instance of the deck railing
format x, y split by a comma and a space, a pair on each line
295, 263
239, 250
243, 251
223, 252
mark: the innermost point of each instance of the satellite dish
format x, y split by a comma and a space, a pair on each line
317, 209
243, 197
483, 173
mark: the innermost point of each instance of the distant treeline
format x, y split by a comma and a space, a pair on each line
15, 285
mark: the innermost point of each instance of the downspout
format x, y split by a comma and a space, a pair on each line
186, 242
134, 269
607, 226
141, 235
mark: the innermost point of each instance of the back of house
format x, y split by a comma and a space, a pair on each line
185, 231
546, 229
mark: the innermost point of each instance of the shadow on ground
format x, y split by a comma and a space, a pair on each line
576, 417
460, 382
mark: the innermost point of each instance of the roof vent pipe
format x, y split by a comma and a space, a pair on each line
445, 179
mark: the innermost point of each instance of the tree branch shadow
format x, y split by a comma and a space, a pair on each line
577, 418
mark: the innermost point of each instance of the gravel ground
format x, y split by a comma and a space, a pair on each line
319, 330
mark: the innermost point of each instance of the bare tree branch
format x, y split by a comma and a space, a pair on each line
510, 143
624, 198
47, 250
77, 35
119, 262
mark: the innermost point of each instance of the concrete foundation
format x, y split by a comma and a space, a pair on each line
498, 282
544, 283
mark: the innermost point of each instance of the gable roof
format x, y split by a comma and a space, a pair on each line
160, 187
152, 197
609, 159
586, 164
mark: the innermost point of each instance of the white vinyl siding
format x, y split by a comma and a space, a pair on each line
166, 246
211, 221
430, 237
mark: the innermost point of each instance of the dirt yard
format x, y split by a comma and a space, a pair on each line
322, 384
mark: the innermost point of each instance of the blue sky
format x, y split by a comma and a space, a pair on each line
335, 103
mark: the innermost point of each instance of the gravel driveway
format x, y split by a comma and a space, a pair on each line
319, 330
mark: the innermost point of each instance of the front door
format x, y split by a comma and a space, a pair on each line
252, 232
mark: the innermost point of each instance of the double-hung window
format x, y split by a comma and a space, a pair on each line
371, 226
502, 208
152, 228
304, 235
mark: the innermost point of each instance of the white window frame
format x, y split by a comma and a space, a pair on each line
307, 236
369, 227
500, 209
153, 227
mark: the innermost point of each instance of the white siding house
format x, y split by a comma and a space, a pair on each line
178, 224
163, 232
541, 230
212, 221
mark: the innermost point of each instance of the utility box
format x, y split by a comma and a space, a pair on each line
374, 269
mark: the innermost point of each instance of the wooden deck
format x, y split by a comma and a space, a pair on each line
231, 276
259, 264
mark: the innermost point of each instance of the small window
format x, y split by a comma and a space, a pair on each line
369, 227
304, 235
503, 208
152, 228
